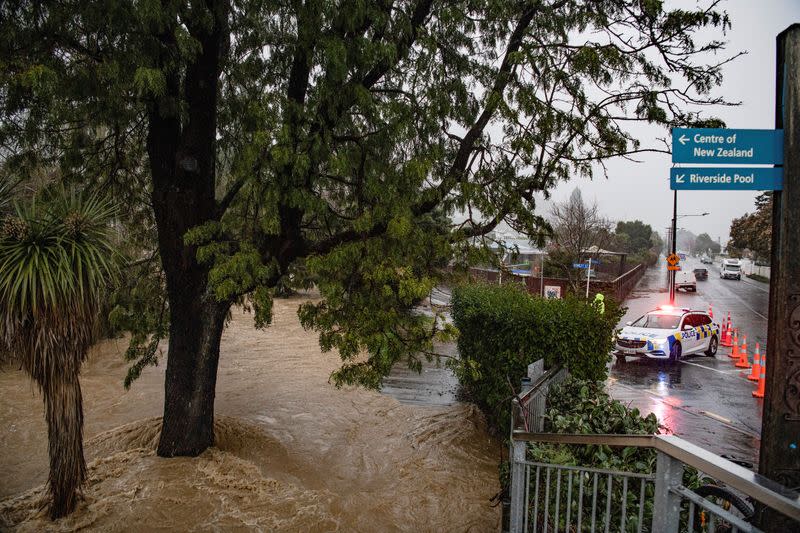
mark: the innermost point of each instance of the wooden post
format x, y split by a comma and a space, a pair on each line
780, 434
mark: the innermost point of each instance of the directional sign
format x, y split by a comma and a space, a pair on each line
727, 147
595, 261
580, 265
726, 178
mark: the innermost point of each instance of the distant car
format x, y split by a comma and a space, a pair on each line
668, 333
731, 269
700, 273
685, 280
706, 260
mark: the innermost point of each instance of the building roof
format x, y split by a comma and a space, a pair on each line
600, 251
524, 246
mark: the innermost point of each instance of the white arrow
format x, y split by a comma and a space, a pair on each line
683, 139
679, 178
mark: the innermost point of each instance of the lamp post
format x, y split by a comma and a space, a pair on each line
675, 218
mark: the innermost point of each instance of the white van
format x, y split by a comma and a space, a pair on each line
685, 279
731, 269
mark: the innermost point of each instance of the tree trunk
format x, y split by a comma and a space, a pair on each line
181, 145
64, 415
195, 332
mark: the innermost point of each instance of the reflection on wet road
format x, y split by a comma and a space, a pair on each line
705, 400
436, 384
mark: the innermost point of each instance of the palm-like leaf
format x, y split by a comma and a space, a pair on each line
56, 258
7, 186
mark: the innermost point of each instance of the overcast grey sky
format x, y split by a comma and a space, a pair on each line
641, 191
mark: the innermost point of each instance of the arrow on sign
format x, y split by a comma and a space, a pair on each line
679, 178
683, 139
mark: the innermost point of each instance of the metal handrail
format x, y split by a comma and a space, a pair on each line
758, 487
590, 470
541, 380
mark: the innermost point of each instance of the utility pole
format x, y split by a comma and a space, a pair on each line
673, 248
780, 430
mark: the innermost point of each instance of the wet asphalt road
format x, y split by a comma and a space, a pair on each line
705, 400
436, 384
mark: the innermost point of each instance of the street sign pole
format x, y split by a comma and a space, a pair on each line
780, 429
674, 245
588, 276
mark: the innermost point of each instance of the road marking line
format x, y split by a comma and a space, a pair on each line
729, 425
753, 284
743, 301
715, 416
724, 372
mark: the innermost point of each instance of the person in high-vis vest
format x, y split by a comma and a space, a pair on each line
599, 303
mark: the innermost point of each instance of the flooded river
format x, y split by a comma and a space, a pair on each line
292, 454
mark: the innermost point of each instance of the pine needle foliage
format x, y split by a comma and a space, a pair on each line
56, 258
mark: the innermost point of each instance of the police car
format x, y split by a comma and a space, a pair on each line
668, 333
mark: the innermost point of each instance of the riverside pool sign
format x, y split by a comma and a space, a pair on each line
727, 147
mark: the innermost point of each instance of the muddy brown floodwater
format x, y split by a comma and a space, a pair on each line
292, 452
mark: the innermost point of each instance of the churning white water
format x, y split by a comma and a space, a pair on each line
292, 452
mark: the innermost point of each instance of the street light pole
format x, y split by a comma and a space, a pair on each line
673, 247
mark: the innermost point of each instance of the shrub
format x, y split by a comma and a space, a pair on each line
758, 277
582, 406
502, 329
644, 257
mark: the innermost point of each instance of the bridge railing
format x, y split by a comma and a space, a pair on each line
553, 497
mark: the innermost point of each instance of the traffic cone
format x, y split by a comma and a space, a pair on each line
710, 311
723, 334
735, 352
743, 362
727, 337
756, 372
762, 379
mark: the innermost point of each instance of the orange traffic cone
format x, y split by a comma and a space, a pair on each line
743, 362
735, 352
727, 336
710, 311
762, 379
756, 372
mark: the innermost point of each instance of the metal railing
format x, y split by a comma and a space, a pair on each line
583, 492
528, 407
552, 497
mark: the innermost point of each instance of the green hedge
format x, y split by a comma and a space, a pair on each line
502, 329
758, 277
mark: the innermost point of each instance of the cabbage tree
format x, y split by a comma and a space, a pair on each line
56, 258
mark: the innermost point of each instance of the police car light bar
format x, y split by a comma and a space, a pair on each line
671, 308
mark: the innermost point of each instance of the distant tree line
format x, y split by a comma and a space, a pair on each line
752, 232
